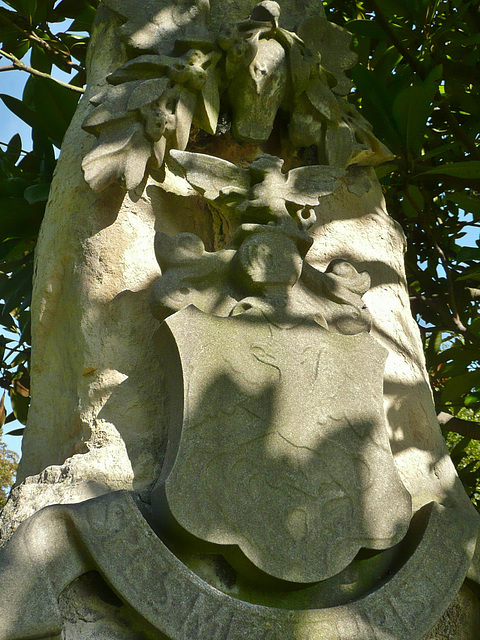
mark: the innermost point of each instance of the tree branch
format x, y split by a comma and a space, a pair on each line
31, 35
466, 428
65, 56
5, 144
21, 66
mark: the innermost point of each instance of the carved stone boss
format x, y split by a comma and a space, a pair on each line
278, 473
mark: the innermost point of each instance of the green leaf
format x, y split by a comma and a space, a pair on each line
411, 109
472, 400
433, 347
467, 254
10, 418
468, 203
44, 11
366, 29
466, 170
84, 19
16, 432
6, 246
23, 112
20, 406
27, 7
74, 8
408, 209
18, 218
376, 105
54, 108
14, 149
40, 59
37, 193
396, 7
459, 386
475, 326
472, 274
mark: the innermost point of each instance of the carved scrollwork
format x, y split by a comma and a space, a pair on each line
262, 273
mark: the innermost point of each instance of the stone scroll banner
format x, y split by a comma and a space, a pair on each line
110, 535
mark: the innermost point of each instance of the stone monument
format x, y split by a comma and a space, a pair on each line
232, 434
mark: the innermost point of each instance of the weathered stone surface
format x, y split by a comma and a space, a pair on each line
461, 621
283, 449
55, 485
95, 387
92, 611
98, 534
101, 399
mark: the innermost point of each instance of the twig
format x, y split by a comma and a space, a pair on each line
8, 67
65, 56
31, 35
466, 428
438, 308
18, 64
5, 144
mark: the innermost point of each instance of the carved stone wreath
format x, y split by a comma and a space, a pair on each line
250, 71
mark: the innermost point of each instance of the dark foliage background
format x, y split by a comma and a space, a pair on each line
417, 82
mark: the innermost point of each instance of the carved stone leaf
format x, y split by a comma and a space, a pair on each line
184, 111
288, 38
374, 151
323, 99
306, 185
299, 70
208, 105
147, 92
120, 155
305, 127
333, 43
339, 144
142, 67
257, 92
159, 148
210, 175
111, 105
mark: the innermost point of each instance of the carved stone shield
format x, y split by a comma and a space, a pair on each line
282, 448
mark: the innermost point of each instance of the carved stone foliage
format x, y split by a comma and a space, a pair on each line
248, 74
261, 193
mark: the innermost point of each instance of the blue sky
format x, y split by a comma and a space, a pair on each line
12, 83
